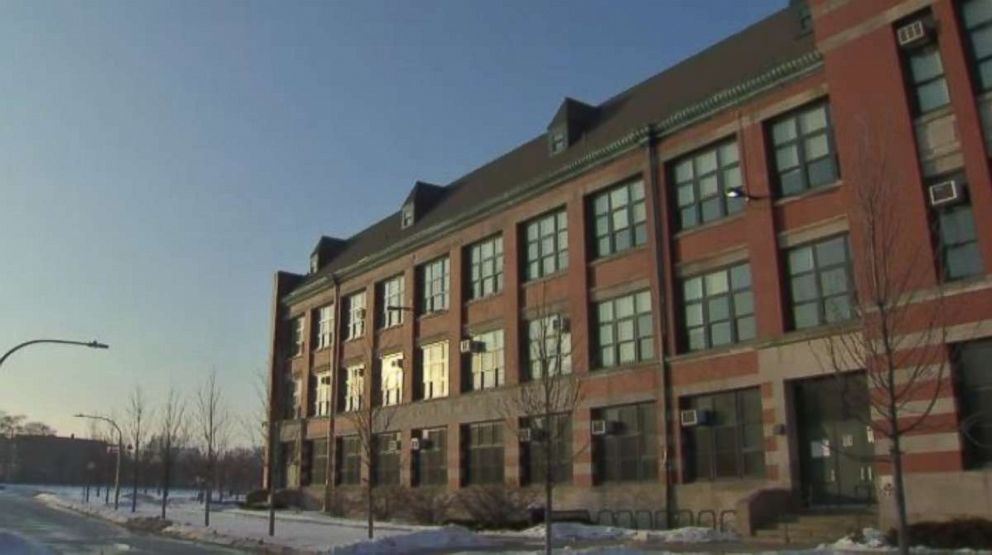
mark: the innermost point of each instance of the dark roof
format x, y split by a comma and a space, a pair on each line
751, 52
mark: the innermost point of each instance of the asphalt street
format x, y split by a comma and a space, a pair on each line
28, 527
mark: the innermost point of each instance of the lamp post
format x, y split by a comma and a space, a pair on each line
741, 192
120, 447
91, 344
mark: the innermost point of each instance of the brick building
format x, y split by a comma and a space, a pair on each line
696, 237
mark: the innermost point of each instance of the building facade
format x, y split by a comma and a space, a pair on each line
696, 242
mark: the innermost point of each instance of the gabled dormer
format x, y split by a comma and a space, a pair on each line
573, 119
419, 202
325, 251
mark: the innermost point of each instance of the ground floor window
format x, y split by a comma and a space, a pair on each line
349, 460
625, 443
386, 466
316, 462
727, 440
974, 390
483, 453
542, 439
430, 457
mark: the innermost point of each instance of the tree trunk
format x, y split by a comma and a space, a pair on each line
368, 496
134, 479
900, 492
547, 508
165, 484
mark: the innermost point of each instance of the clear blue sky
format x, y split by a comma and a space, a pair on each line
160, 160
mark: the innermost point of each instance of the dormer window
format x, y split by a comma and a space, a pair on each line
314, 263
407, 216
557, 140
572, 121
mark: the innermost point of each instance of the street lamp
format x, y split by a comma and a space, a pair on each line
741, 192
120, 447
91, 344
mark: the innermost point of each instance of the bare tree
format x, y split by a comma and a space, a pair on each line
138, 416
213, 424
541, 410
33, 428
898, 330
172, 436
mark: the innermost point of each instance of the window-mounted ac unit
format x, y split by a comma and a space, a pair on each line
415, 444
468, 346
392, 445
360, 313
945, 192
694, 417
561, 324
912, 33
524, 435
601, 427
396, 363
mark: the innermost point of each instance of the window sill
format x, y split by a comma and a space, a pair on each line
740, 347
435, 314
545, 278
321, 349
935, 114
630, 366
354, 339
709, 225
617, 255
391, 327
489, 297
815, 191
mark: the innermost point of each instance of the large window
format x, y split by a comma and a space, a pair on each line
483, 453
354, 387
391, 302
718, 308
349, 460
957, 240
546, 245
487, 360
431, 459
619, 219
555, 439
388, 454
804, 150
627, 451
392, 379
434, 372
322, 400
325, 326
550, 346
701, 182
925, 77
977, 17
624, 330
434, 285
354, 306
728, 442
820, 282
296, 339
318, 462
974, 389
485, 262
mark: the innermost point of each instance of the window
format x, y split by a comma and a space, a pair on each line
296, 385
557, 140
392, 379
804, 151
701, 183
820, 283
354, 306
624, 330
628, 451
557, 439
322, 401
354, 387
434, 373
719, 308
547, 245
487, 360
349, 460
431, 460
325, 326
434, 284
296, 340
977, 16
391, 300
483, 453
619, 219
318, 462
550, 350
386, 467
729, 441
974, 390
406, 216
486, 267
925, 76
957, 241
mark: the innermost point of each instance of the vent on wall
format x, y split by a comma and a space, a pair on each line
945, 192
912, 33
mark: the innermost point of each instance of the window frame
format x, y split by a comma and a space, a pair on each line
975, 62
431, 463
915, 84
297, 330
489, 362
434, 370
533, 249
611, 452
322, 393
706, 323
540, 330
633, 197
817, 270
799, 140
318, 461
354, 389
477, 275
348, 471
691, 441
532, 454
391, 380
435, 290
325, 327
392, 292
483, 460
386, 464
356, 315
940, 216
726, 206
643, 342
969, 399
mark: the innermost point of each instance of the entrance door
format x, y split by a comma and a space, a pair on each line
836, 447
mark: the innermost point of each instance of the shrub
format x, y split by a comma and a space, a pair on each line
495, 506
424, 505
960, 533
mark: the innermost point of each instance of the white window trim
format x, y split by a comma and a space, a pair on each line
354, 387
356, 323
392, 379
325, 326
435, 370
392, 315
491, 356
322, 398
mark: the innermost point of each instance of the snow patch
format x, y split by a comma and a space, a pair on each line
449, 537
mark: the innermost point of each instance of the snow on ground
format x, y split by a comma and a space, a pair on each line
571, 531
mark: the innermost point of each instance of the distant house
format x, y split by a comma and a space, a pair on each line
37, 459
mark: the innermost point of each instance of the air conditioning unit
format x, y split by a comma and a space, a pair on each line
392, 445
360, 313
912, 33
561, 324
945, 192
601, 427
415, 444
396, 363
468, 346
694, 417
524, 435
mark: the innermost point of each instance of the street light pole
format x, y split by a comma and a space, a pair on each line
120, 447
91, 344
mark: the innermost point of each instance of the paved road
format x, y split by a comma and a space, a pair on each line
28, 527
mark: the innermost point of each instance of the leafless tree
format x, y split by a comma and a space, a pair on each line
213, 427
34, 428
172, 436
138, 416
541, 410
898, 331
